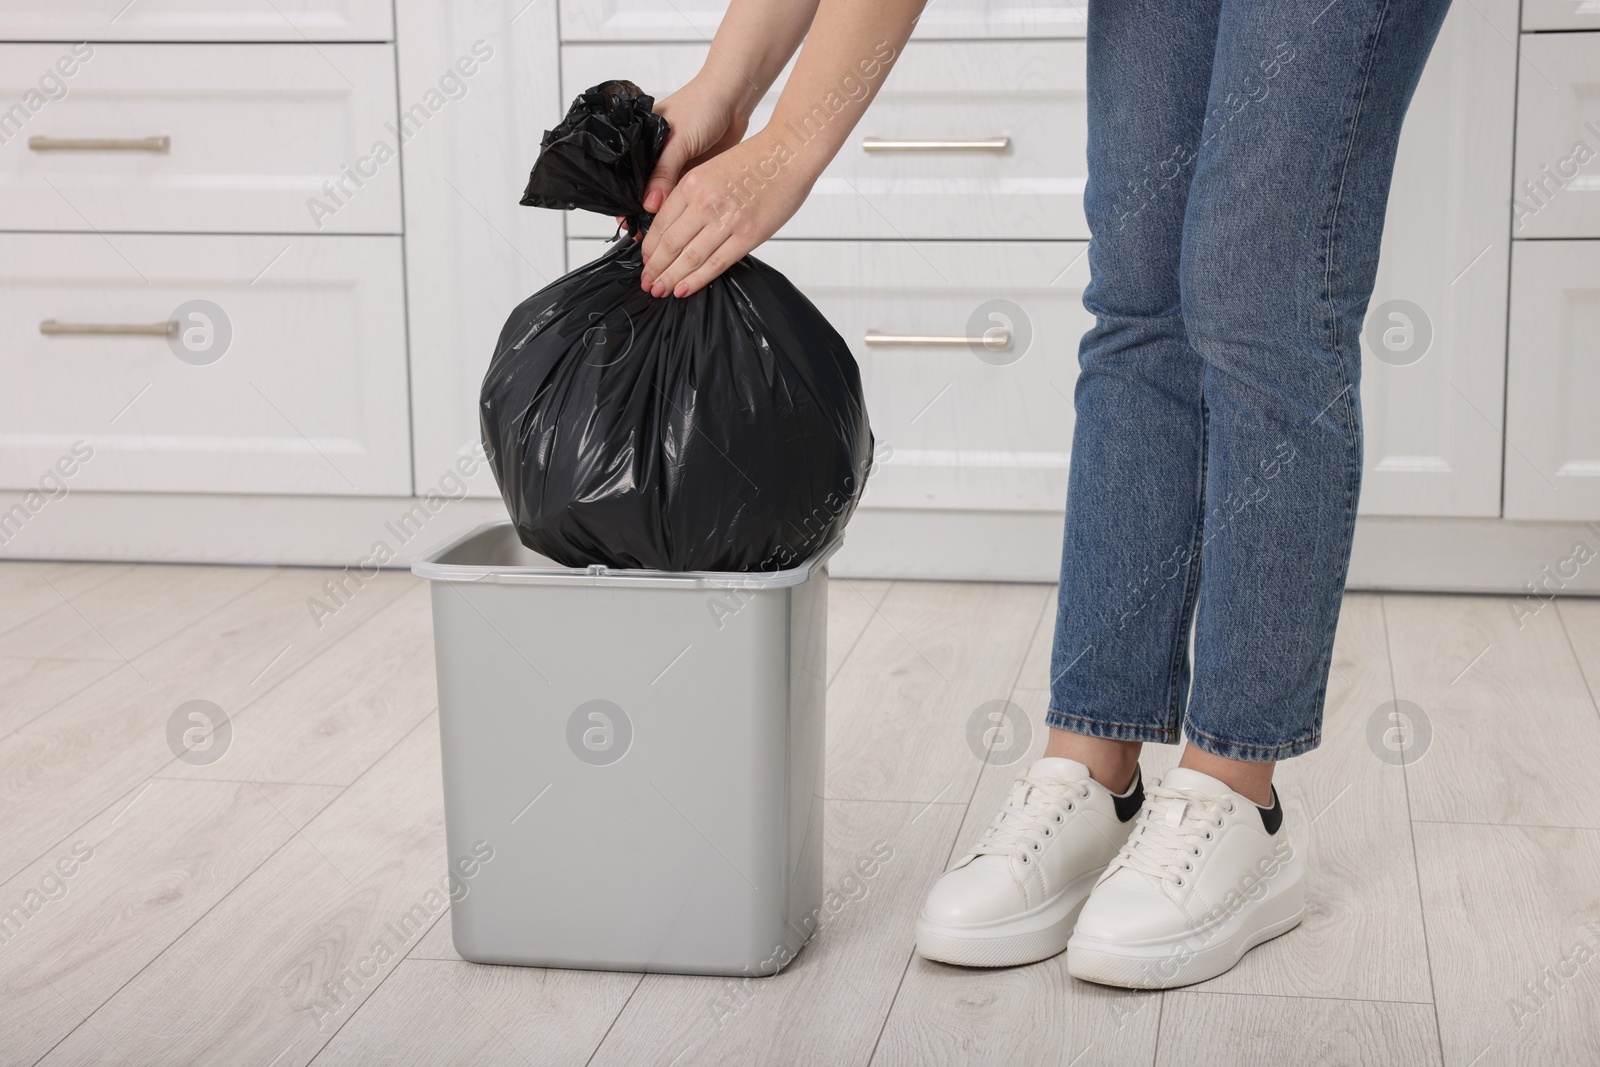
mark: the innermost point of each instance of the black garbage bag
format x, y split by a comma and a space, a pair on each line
725, 431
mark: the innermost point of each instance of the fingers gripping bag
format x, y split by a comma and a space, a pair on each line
724, 431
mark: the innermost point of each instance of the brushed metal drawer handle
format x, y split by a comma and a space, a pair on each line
997, 339
159, 143
987, 144
52, 328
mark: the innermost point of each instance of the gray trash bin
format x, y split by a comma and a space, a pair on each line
632, 759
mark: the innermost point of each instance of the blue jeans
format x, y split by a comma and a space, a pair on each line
1240, 154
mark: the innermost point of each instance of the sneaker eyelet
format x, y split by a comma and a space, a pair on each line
1188, 866
1208, 835
1060, 818
1230, 809
1024, 859
1178, 883
1195, 851
1035, 846
1048, 832
1070, 806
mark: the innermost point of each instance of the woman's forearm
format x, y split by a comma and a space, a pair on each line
753, 43
847, 56
740, 192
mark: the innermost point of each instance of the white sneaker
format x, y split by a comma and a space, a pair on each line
1200, 882
1013, 898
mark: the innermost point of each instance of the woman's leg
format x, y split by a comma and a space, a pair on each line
1133, 501
1280, 248
1129, 565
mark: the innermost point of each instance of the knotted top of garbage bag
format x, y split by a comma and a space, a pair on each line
601, 155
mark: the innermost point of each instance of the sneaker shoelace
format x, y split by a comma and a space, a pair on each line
1036, 809
1172, 827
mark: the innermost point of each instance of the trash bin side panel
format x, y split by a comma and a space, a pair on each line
623, 752
807, 743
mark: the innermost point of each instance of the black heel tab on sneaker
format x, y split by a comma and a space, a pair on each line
1272, 818
1129, 803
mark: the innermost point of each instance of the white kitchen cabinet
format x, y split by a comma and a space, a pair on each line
958, 425
1003, 125
236, 364
1433, 384
697, 20
472, 252
1557, 191
225, 138
1560, 15
195, 20
1553, 393
300, 440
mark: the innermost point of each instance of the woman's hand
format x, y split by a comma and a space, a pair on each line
723, 208
705, 121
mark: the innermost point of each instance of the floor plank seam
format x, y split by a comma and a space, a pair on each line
895, 999
164, 949
1411, 834
834, 673
251, 703
141, 784
96, 680
598, 1045
373, 992
1199, 989
297, 832
246, 707
245, 781
180, 631
1572, 646
1161, 1012
1506, 825
960, 825
113, 572
888, 800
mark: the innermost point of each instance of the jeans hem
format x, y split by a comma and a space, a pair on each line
1249, 753
1110, 731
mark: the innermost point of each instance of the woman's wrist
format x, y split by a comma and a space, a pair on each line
798, 143
730, 87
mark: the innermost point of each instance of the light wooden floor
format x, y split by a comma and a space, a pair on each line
1455, 902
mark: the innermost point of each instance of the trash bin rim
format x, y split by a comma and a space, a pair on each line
429, 567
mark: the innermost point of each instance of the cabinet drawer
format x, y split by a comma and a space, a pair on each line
200, 138
1553, 382
1560, 15
958, 425
289, 377
196, 20
1557, 184
697, 20
1031, 93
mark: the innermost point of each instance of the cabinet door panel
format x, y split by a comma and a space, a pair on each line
1029, 94
958, 425
1553, 389
1557, 190
290, 377
472, 252
1433, 366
